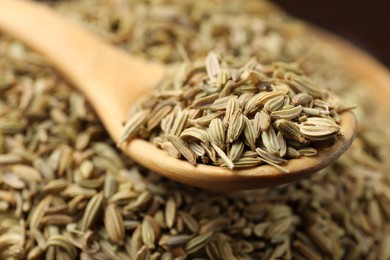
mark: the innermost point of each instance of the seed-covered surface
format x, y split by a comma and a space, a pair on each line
299, 113
56, 160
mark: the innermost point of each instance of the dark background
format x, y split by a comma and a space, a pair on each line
366, 23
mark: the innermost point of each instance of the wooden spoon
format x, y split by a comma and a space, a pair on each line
112, 80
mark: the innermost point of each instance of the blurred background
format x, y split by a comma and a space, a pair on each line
366, 23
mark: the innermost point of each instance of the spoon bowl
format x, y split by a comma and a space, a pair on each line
112, 80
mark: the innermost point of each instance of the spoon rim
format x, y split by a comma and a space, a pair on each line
221, 178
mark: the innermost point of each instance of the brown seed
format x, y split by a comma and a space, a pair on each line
221, 103
223, 156
156, 117
65, 244
249, 134
190, 222
289, 130
39, 211
57, 220
270, 141
318, 127
170, 212
132, 125
91, 211
302, 99
303, 84
148, 236
182, 148
197, 242
179, 123
217, 132
113, 222
287, 113
231, 107
195, 134
212, 65
236, 150
170, 149
235, 128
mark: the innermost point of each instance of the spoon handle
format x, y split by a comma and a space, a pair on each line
91, 64
110, 78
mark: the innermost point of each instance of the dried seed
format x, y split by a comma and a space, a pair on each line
170, 149
287, 113
197, 149
142, 254
289, 130
205, 120
292, 152
255, 102
249, 134
246, 162
282, 144
232, 107
307, 151
198, 242
314, 111
270, 141
235, 127
209, 151
113, 222
157, 117
195, 134
148, 236
223, 156
205, 102
39, 211
225, 249
306, 251
212, 66
65, 244
302, 99
303, 84
318, 127
221, 103
135, 243
133, 124
177, 240
190, 222
236, 150
167, 122
214, 225
213, 251
244, 98
57, 220
170, 212
274, 104
91, 211
272, 160
12, 181
179, 123
217, 132
182, 148
110, 186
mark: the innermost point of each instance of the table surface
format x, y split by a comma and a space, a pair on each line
367, 24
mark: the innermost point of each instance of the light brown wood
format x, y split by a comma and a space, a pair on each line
113, 80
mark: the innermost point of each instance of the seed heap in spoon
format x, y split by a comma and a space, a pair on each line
237, 116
